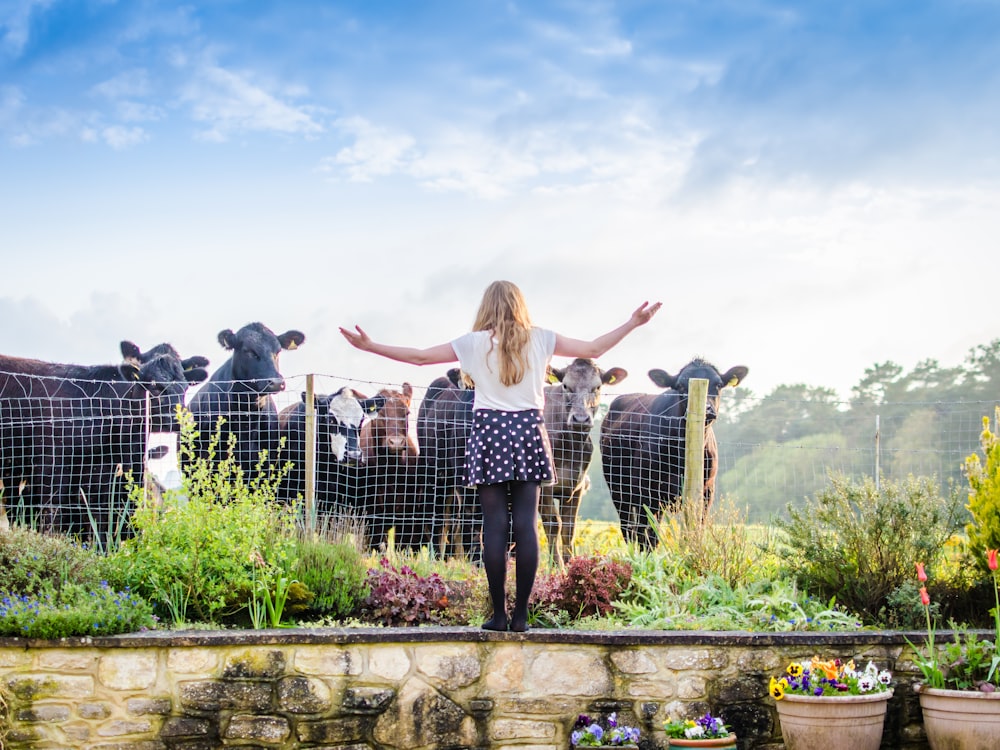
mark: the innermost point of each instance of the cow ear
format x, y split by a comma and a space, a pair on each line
227, 339
128, 371
195, 374
131, 352
614, 376
372, 405
662, 378
192, 362
455, 376
408, 391
291, 339
735, 375
555, 375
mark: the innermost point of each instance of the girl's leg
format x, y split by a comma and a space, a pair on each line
496, 523
524, 512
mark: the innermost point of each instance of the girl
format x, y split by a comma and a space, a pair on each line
507, 457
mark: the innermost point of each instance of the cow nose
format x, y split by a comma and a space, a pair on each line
581, 419
396, 443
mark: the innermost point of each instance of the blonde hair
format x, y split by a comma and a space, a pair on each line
504, 312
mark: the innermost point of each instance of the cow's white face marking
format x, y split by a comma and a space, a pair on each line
345, 409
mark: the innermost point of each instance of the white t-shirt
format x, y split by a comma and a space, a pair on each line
480, 363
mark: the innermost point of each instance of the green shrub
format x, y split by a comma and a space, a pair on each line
984, 495
334, 573
856, 543
73, 610
204, 553
30, 561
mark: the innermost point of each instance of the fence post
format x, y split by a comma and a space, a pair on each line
878, 453
694, 442
310, 446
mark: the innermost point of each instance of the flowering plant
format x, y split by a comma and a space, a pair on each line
829, 677
708, 727
588, 732
967, 663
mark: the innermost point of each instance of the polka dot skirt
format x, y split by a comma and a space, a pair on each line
507, 446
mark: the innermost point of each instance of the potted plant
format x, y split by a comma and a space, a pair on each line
707, 731
830, 703
589, 732
959, 695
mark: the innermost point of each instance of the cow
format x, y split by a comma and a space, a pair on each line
338, 420
67, 432
444, 423
240, 393
166, 377
570, 407
643, 446
390, 489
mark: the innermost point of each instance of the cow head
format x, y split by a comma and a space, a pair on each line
389, 431
340, 417
166, 377
255, 351
580, 389
699, 368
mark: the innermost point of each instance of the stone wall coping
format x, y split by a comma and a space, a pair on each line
434, 634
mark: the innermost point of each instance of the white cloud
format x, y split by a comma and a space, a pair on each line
120, 137
15, 20
229, 103
128, 84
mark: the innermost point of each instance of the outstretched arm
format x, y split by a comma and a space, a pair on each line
566, 347
432, 355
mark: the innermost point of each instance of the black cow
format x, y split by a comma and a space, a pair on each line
240, 393
339, 417
444, 423
570, 408
166, 376
643, 444
60, 425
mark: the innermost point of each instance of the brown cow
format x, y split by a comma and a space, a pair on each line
570, 407
643, 446
390, 492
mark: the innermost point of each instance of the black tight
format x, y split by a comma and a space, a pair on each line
511, 506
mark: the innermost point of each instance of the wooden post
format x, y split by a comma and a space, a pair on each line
310, 467
694, 443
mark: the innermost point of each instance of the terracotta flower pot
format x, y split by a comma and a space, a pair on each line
719, 743
841, 721
960, 719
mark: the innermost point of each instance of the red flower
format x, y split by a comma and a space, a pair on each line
924, 598
991, 558
921, 575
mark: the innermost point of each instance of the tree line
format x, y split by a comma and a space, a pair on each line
779, 448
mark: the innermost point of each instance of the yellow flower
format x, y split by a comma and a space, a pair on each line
795, 669
777, 688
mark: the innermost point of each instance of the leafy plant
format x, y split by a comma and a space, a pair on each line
399, 596
73, 610
856, 541
198, 553
966, 663
333, 572
31, 561
984, 493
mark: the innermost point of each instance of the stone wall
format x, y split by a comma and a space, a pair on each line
412, 688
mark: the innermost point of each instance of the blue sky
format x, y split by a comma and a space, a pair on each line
810, 188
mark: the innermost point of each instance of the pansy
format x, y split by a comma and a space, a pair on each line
829, 677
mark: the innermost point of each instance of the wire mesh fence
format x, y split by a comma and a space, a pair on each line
392, 455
